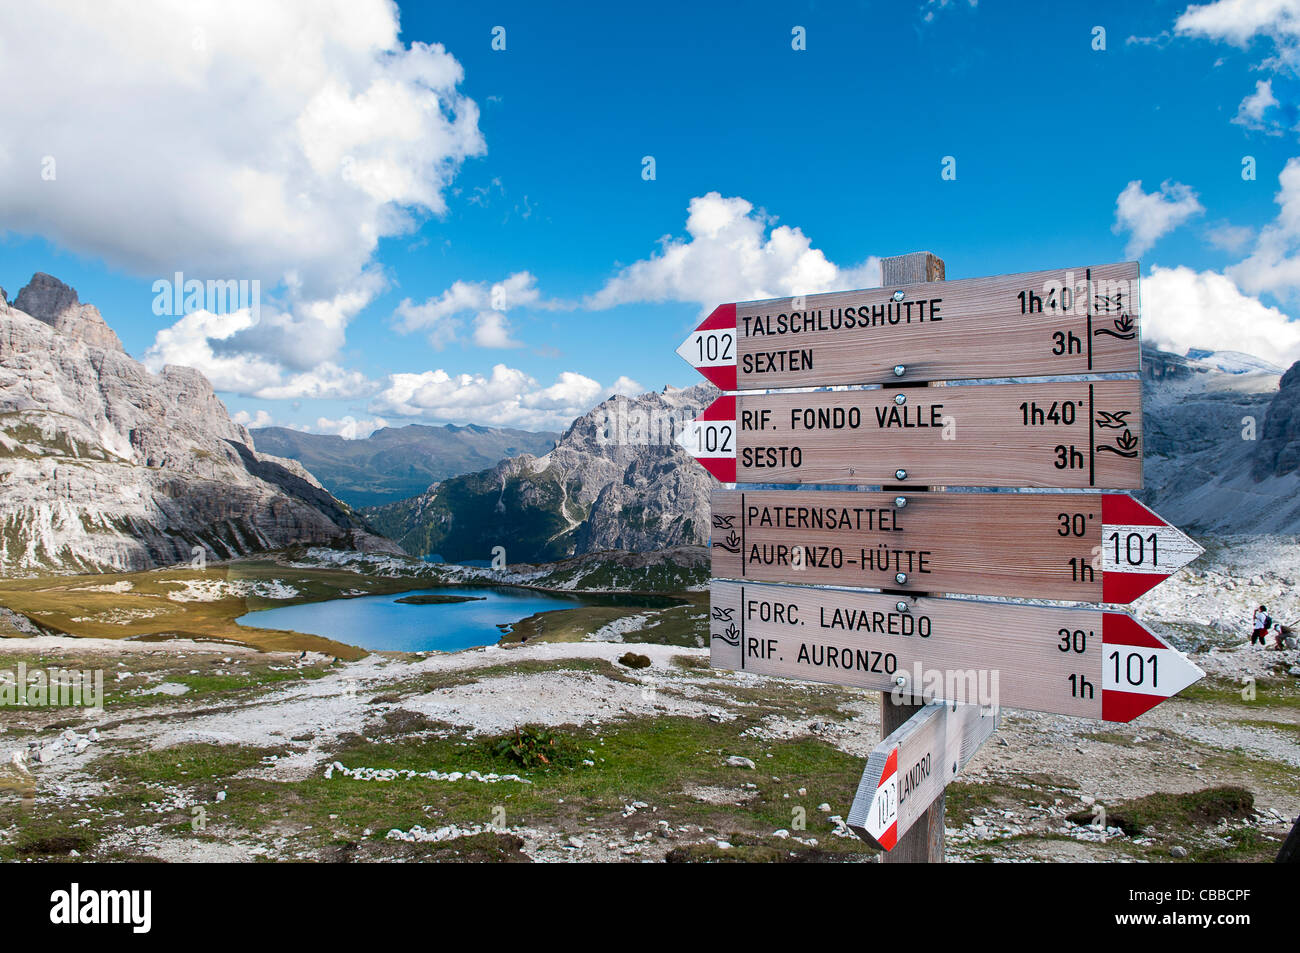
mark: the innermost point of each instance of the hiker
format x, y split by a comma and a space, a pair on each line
1262, 625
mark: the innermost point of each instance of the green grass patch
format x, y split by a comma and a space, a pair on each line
650, 760
1194, 810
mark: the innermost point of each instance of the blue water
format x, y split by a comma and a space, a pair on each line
381, 623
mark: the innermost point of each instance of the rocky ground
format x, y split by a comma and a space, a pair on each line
562, 751
215, 752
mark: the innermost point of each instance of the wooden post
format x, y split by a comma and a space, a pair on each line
924, 842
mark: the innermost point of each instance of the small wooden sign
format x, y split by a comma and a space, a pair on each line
1067, 434
910, 768
1080, 547
1082, 662
1043, 323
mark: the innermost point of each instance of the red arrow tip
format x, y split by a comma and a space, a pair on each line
722, 376
1120, 509
1120, 628
722, 468
723, 408
723, 316
1124, 587
1125, 706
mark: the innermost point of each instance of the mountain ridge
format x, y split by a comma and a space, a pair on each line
395, 463
616, 480
105, 466
590, 494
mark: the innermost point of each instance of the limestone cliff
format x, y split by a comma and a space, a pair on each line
104, 466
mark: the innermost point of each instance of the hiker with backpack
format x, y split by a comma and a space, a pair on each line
1262, 624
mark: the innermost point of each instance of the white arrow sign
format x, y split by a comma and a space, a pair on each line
908, 771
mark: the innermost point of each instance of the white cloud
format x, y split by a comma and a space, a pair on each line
508, 397
239, 138
349, 428
1159, 41
1274, 264
189, 342
625, 386
1239, 21
1230, 238
307, 331
1251, 111
492, 329
277, 142
325, 381
1182, 309
931, 8
260, 419
444, 317
1148, 216
731, 253
196, 341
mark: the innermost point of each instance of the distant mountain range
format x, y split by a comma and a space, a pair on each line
104, 466
1222, 434
617, 480
394, 463
1222, 455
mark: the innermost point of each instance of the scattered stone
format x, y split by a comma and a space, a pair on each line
1179, 852
736, 761
167, 688
632, 660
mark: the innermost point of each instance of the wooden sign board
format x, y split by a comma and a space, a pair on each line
1043, 323
910, 768
1082, 662
1080, 547
1067, 434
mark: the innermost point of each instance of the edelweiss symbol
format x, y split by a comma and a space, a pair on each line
1124, 328
731, 544
1126, 445
723, 614
722, 522
1113, 421
731, 636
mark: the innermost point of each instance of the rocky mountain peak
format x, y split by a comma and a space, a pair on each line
1278, 452
104, 465
615, 480
49, 300
46, 297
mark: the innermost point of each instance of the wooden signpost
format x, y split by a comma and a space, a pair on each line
1070, 321
1082, 547
1068, 435
909, 769
944, 664
1083, 662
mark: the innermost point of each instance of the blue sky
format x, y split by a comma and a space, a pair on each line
535, 166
